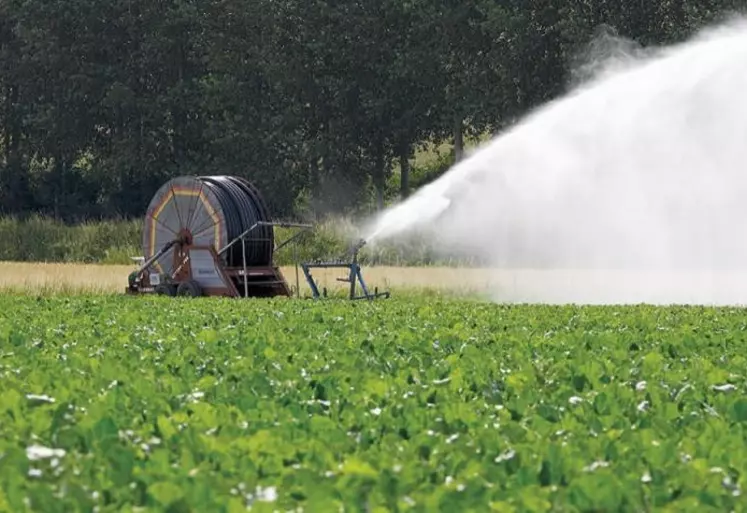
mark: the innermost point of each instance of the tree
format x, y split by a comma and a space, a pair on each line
314, 100
14, 186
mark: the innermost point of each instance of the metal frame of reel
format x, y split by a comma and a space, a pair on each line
181, 282
226, 281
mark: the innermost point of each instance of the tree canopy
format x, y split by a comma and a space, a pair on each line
316, 101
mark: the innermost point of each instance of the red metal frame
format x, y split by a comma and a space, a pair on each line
271, 281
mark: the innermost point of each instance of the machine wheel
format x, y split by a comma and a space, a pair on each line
165, 289
189, 288
208, 211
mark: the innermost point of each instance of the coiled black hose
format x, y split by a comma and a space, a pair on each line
242, 208
265, 234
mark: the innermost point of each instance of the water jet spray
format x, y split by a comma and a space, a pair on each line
629, 189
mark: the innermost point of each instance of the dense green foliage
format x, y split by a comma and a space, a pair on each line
210, 405
45, 240
117, 241
318, 102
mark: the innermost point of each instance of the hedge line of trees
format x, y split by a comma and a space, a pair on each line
317, 101
37, 239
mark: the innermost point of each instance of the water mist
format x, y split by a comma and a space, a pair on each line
632, 188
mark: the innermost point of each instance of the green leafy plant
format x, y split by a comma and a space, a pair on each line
416, 404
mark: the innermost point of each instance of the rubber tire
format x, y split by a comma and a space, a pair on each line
189, 288
165, 290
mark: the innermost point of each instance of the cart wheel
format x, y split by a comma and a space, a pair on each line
164, 289
189, 288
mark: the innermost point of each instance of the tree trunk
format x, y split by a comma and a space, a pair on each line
7, 124
15, 179
404, 165
458, 139
5, 174
379, 177
179, 144
379, 199
12, 126
314, 173
60, 191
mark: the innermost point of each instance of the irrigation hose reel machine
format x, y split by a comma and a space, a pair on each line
214, 236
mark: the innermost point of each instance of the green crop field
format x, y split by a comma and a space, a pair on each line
407, 404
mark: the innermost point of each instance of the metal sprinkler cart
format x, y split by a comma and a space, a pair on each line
355, 276
212, 236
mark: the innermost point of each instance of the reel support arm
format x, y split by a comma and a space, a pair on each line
265, 223
243, 235
158, 255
